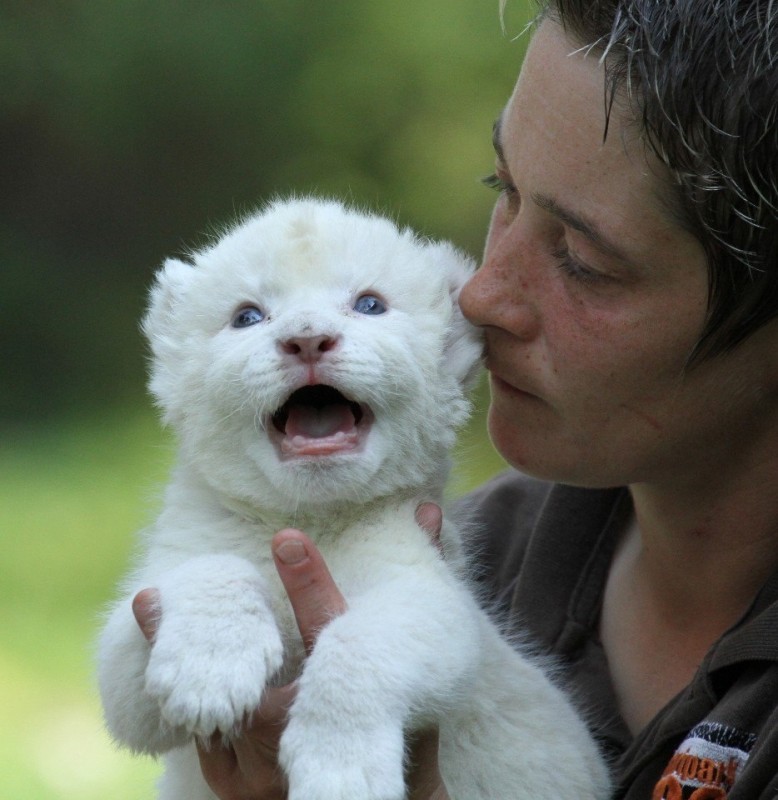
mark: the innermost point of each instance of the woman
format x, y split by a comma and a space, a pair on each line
627, 295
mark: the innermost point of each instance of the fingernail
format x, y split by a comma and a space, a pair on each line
291, 551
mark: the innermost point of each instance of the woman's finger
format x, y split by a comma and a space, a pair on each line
429, 517
312, 592
247, 765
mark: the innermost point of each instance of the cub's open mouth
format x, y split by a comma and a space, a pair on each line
319, 421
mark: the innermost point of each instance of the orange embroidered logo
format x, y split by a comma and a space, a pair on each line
706, 765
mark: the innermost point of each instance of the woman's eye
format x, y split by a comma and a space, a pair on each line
494, 181
579, 272
499, 184
247, 316
369, 304
506, 189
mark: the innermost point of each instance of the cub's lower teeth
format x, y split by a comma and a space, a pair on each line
335, 439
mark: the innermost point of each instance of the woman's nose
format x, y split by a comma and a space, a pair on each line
499, 295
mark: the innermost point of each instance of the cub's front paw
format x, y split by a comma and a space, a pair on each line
342, 762
208, 677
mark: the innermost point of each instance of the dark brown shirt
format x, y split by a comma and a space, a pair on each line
543, 556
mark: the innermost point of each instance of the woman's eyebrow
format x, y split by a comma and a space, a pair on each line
572, 220
579, 223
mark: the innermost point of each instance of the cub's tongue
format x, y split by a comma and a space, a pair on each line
311, 422
318, 422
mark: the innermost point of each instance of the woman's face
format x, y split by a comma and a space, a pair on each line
592, 296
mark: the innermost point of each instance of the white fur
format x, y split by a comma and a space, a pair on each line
413, 648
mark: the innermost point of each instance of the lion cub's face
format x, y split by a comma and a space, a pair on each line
313, 354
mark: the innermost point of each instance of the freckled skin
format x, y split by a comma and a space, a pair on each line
588, 377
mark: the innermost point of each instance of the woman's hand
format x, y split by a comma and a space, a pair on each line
247, 767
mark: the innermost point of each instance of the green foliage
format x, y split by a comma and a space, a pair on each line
70, 499
128, 128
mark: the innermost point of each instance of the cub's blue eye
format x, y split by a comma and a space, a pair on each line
245, 317
369, 304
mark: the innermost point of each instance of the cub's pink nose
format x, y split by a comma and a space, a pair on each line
309, 349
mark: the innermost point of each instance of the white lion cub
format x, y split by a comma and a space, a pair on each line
313, 363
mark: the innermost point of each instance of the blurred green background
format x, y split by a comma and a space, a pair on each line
127, 128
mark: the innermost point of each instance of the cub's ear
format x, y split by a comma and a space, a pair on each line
167, 291
464, 344
161, 325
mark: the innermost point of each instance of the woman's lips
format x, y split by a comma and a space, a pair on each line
505, 386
